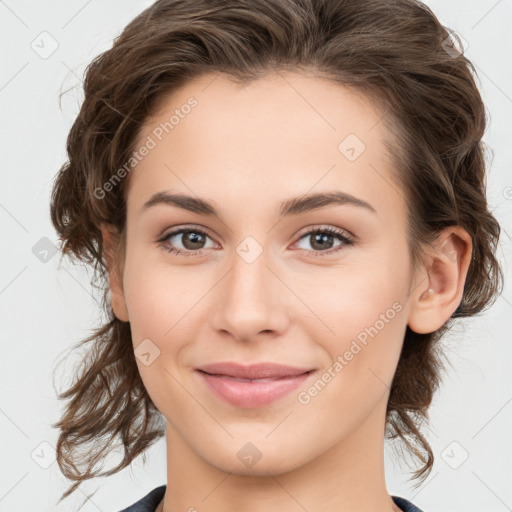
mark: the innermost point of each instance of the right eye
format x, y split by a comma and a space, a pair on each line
193, 236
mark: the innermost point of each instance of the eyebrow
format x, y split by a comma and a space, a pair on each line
294, 206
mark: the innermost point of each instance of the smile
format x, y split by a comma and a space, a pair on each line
251, 393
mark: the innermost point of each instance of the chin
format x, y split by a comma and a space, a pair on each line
250, 460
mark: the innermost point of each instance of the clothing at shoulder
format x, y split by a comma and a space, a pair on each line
149, 502
405, 504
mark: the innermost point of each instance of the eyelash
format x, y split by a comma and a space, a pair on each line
341, 235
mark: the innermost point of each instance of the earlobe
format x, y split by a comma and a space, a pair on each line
110, 241
441, 287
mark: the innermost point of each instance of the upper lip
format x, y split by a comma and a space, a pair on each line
253, 371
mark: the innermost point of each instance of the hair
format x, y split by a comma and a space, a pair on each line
396, 53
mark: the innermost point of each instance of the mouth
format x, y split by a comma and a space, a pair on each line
239, 379
261, 379
258, 371
252, 386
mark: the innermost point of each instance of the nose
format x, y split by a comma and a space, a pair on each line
251, 300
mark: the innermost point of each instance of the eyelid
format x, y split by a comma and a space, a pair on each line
312, 228
182, 227
304, 231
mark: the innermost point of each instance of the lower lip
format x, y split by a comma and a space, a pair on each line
252, 394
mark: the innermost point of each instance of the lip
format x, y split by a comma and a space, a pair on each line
254, 385
253, 371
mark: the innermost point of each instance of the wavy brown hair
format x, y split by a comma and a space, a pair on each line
396, 53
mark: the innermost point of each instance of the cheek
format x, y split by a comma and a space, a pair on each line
355, 298
363, 354
368, 341
364, 315
163, 303
157, 303
157, 296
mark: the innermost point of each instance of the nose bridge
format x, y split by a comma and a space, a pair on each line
249, 300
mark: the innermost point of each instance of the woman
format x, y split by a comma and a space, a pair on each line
285, 204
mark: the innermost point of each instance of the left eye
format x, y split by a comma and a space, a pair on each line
194, 238
322, 238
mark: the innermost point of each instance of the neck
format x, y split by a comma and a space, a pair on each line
349, 476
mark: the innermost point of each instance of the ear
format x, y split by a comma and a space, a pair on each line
110, 248
440, 284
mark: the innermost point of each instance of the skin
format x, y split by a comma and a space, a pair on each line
246, 150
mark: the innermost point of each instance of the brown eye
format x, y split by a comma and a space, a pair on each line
192, 240
322, 240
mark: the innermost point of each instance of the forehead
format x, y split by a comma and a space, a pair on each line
298, 104
282, 135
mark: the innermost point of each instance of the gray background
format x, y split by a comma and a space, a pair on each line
44, 309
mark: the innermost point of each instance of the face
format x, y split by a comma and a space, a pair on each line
323, 288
